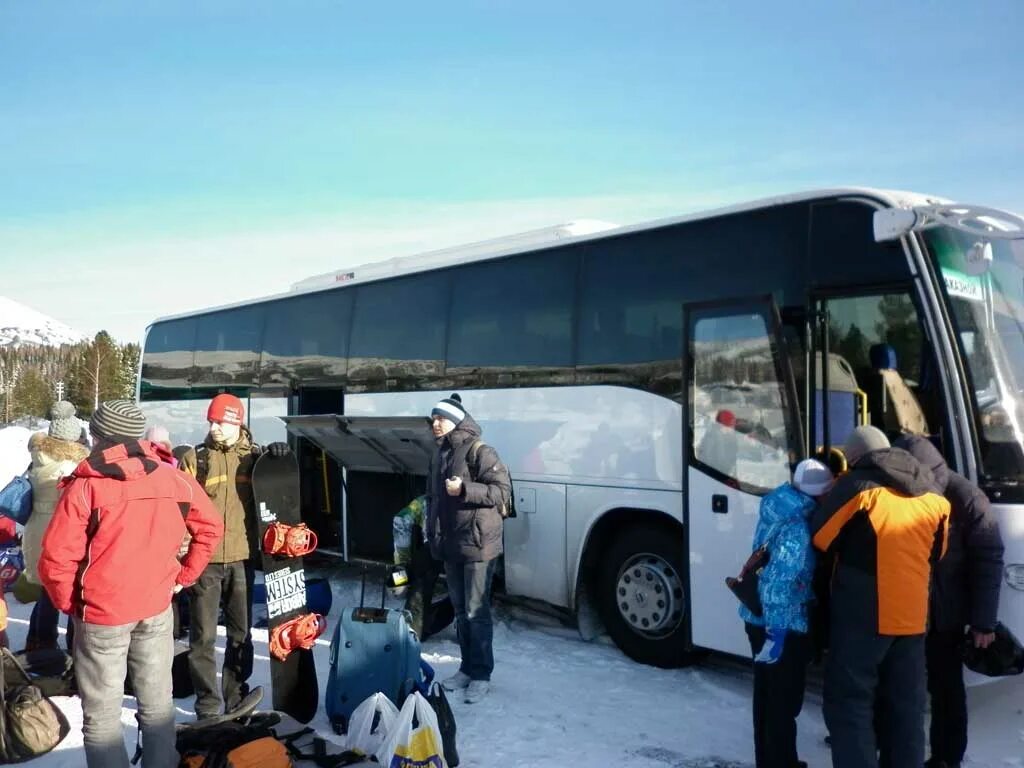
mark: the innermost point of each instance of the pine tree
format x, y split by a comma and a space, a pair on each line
95, 376
129, 369
32, 396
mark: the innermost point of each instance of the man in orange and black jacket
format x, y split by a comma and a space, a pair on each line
885, 527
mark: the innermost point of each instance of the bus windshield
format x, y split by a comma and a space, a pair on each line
984, 281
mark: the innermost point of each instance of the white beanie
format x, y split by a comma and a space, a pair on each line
812, 477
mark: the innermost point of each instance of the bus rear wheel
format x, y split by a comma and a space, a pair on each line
642, 595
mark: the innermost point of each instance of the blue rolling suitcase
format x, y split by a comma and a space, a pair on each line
373, 649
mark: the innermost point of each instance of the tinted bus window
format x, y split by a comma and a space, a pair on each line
631, 302
514, 312
398, 329
167, 358
306, 338
227, 347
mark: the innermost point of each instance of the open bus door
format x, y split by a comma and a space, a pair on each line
743, 437
384, 462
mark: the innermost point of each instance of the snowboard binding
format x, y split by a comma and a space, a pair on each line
300, 632
288, 540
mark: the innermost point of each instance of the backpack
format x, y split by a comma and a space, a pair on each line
233, 744
506, 509
16, 498
30, 724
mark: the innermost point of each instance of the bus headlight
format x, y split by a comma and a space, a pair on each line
1014, 575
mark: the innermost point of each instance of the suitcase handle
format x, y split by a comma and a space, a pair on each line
383, 588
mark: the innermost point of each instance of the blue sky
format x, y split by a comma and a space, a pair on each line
182, 154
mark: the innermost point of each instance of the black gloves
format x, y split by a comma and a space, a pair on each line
277, 450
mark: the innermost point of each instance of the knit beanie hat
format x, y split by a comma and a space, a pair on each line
812, 477
63, 424
450, 408
118, 420
226, 409
863, 441
158, 434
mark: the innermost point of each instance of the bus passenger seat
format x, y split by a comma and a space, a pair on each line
894, 407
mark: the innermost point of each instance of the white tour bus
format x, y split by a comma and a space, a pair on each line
646, 385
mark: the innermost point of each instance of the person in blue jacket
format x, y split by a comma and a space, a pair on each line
779, 638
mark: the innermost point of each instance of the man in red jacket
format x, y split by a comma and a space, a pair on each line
110, 559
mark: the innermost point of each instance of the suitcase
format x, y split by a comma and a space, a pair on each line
373, 649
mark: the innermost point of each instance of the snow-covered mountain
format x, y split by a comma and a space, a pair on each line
23, 325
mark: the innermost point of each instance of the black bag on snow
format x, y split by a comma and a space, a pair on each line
181, 677
1002, 658
438, 701
30, 724
50, 670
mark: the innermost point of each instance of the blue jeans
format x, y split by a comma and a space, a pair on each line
103, 655
469, 586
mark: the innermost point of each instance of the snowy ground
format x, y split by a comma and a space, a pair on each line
558, 701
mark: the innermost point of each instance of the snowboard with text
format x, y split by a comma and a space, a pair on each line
275, 486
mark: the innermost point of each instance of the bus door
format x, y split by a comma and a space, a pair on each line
881, 369
743, 437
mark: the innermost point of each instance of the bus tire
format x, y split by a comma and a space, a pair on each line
642, 595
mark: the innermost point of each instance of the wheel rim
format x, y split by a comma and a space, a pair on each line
649, 594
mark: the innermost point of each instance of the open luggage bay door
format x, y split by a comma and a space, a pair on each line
370, 447
396, 444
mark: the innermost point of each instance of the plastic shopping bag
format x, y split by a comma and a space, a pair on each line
367, 730
415, 739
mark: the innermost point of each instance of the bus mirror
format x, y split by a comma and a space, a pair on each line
893, 223
978, 258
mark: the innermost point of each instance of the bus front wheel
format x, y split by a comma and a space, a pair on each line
643, 597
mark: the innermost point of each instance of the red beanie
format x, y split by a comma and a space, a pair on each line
226, 409
726, 418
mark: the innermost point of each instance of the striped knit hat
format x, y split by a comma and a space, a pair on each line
118, 420
450, 408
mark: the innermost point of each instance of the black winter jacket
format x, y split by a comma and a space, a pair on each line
965, 584
467, 528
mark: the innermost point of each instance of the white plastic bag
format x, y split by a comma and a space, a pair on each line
415, 739
362, 736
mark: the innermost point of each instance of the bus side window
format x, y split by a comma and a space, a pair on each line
739, 422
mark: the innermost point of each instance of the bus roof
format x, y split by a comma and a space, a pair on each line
540, 239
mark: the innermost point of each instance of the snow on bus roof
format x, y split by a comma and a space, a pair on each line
539, 239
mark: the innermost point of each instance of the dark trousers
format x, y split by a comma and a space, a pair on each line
865, 668
43, 625
778, 699
948, 733
469, 585
227, 586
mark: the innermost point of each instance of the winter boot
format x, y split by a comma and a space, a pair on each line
456, 682
477, 690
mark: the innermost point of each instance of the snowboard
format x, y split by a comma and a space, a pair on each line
275, 486
246, 707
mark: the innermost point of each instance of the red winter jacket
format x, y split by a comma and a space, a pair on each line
109, 554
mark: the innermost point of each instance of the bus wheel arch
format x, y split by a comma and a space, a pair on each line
634, 569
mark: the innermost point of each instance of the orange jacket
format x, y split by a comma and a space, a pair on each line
886, 528
110, 553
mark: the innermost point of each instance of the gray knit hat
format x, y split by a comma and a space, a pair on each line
63, 424
863, 441
118, 420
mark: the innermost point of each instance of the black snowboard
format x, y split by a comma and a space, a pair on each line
275, 486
